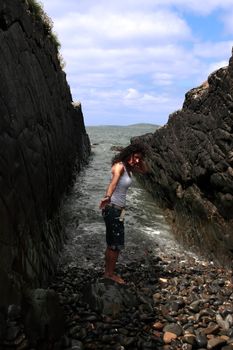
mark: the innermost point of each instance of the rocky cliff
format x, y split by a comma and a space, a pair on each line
42, 138
191, 159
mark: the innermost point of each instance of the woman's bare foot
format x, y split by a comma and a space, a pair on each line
115, 278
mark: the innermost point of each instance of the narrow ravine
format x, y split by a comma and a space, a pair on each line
172, 299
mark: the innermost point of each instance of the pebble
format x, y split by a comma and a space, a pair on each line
224, 324
214, 343
211, 329
158, 325
227, 347
189, 338
168, 337
186, 307
75, 347
173, 328
201, 339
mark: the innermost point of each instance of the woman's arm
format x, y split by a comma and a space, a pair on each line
117, 171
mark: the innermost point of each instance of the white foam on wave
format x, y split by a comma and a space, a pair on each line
151, 232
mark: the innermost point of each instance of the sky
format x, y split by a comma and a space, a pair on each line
132, 61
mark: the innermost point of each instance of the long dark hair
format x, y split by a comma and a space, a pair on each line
128, 151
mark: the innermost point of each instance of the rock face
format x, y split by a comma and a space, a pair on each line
191, 159
42, 138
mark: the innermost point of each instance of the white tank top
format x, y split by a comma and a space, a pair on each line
119, 195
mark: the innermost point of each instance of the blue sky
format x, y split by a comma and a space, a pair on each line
132, 61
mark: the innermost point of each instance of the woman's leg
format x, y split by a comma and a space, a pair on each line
111, 257
114, 239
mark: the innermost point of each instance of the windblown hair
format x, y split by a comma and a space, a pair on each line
128, 151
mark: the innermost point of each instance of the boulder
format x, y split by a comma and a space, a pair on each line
43, 317
109, 298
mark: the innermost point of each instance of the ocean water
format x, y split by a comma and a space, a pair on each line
145, 225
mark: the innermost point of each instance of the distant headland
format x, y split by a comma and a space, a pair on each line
139, 125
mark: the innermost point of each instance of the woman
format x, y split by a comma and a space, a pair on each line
128, 161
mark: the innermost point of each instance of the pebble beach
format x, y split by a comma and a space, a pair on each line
168, 302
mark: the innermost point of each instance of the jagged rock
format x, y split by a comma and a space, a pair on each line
191, 167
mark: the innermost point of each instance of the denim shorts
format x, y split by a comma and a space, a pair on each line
115, 235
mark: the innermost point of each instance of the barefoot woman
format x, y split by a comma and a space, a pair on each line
128, 161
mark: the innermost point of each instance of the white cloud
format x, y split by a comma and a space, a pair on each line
139, 56
132, 60
201, 7
91, 29
132, 97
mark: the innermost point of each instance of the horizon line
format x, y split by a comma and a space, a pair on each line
134, 124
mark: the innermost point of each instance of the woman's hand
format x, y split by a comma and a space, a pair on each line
104, 201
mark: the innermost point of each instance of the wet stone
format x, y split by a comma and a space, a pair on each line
230, 332
227, 347
173, 328
188, 327
201, 339
168, 337
174, 306
229, 319
189, 338
108, 297
194, 306
187, 347
214, 343
77, 345
227, 310
158, 325
224, 324
212, 329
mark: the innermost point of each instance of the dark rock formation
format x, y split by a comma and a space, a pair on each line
44, 317
191, 159
42, 137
